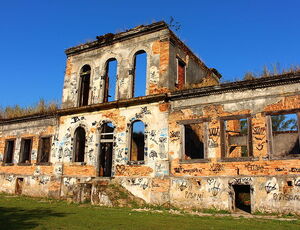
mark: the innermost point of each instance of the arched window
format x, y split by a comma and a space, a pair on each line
110, 80
85, 75
140, 74
79, 144
137, 141
106, 149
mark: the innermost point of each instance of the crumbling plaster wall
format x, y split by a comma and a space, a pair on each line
205, 178
38, 179
268, 193
157, 68
154, 117
196, 71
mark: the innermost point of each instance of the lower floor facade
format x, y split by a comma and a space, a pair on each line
230, 147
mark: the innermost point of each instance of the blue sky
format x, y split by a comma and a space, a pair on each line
233, 36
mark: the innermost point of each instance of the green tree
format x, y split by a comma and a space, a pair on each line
283, 123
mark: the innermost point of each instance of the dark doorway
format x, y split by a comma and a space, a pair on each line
19, 185
242, 197
106, 149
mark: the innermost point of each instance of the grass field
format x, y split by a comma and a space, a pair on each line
33, 213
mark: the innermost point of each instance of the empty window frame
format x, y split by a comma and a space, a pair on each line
106, 149
111, 76
181, 74
79, 144
236, 136
9, 151
140, 74
194, 140
84, 91
26, 145
284, 130
44, 150
137, 142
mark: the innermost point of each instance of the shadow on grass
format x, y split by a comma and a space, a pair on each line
18, 218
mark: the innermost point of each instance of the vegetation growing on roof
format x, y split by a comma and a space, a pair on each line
268, 72
42, 107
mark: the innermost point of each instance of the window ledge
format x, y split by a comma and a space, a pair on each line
191, 161
77, 163
24, 164
289, 157
44, 163
135, 162
7, 164
238, 159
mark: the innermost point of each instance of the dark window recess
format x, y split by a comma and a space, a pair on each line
289, 183
285, 135
25, 150
9, 151
79, 144
193, 141
137, 141
44, 150
140, 74
180, 74
110, 80
85, 75
242, 197
237, 138
106, 149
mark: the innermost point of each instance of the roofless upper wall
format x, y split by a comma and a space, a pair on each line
170, 65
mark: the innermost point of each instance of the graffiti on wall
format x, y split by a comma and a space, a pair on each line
270, 186
241, 181
174, 136
255, 167
214, 186
259, 135
285, 197
216, 167
180, 169
140, 182
213, 137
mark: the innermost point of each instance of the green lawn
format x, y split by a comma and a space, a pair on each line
32, 213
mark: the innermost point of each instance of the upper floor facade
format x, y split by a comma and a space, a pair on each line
168, 65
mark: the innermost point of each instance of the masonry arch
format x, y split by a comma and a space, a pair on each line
137, 141
110, 80
79, 144
84, 85
139, 64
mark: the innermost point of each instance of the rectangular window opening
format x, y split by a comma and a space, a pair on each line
9, 151
237, 138
194, 141
26, 145
44, 150
181, 78
285, 135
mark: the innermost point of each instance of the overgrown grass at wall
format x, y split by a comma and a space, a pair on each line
34, 213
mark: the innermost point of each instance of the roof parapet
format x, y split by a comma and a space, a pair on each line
110, 38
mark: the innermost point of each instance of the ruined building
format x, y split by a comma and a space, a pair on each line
189, 141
